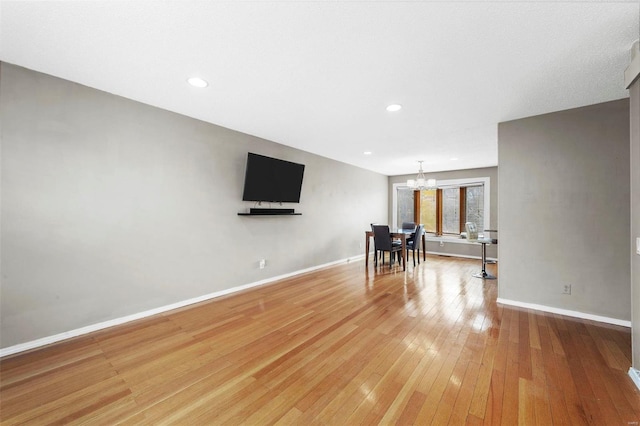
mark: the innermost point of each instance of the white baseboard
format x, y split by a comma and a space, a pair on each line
635, 376
566, 312
122, 320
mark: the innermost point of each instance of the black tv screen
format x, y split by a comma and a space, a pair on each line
271, 179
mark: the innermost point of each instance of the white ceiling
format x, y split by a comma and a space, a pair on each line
317, 75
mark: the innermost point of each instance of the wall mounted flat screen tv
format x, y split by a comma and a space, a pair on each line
271, 179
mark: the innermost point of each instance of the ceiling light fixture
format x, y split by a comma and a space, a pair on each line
197, 82
394, 107
367, 153
420, 183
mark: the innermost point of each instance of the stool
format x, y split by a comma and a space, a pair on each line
493, 241
484, 274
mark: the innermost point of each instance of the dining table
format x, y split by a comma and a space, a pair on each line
396, 234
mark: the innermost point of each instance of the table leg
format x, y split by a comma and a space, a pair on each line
366, 249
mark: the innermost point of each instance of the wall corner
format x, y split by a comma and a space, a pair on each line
632, 72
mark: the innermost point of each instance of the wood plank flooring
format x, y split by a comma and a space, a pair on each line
340, 346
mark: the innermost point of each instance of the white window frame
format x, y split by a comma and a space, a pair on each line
451, 183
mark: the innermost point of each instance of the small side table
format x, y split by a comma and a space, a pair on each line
484, 274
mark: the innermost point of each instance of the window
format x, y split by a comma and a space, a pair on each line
446, 210
450, 211
428, 210
405, 206
475, 205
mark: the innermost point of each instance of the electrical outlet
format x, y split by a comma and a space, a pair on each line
263, 263
441, 243
637, 245
566, 289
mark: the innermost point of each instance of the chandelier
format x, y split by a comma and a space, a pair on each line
420, 183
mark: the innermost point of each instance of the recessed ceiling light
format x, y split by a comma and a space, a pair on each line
394, 107
454, 159
367, 153
197, 82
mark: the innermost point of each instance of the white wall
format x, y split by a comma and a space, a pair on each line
564, 209
111, 207
634, 92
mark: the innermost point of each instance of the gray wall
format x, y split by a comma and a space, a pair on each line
111, 207
564, 209
457, 248
634, 92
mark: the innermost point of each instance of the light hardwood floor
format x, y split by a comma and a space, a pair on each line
339, 346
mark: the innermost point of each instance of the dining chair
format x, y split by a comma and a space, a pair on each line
414, 244
409, 225
382, 241
375, 250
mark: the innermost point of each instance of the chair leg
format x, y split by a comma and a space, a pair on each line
414, 257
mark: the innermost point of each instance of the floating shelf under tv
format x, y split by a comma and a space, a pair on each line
270, 212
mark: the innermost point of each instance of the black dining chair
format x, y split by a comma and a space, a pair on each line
382, 241
408, 225
411, 226
375, 250
414, 243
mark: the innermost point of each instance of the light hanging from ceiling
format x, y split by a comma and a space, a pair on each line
420, 183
